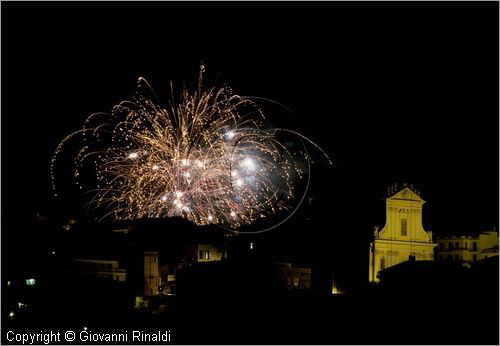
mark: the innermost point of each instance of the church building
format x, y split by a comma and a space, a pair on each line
403, 234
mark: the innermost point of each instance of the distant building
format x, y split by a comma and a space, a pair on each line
204, 253
112, 270
289, 278
99, 268
151, 273
467, 249
403, 234
194, 252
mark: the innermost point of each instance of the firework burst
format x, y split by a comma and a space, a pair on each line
209, 158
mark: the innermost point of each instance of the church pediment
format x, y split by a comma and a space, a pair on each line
407, 194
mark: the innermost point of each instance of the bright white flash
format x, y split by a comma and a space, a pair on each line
248, 163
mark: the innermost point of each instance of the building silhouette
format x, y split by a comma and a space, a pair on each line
403, 235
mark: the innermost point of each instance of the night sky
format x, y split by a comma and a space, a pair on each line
393, 93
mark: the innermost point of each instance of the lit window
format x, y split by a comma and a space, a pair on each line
295, 281
30, 282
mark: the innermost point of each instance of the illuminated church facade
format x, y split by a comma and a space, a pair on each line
403, 234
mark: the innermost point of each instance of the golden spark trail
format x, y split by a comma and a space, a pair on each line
208, 158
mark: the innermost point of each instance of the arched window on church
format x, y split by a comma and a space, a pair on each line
382, 263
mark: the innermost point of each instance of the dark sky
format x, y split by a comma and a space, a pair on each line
393, 92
